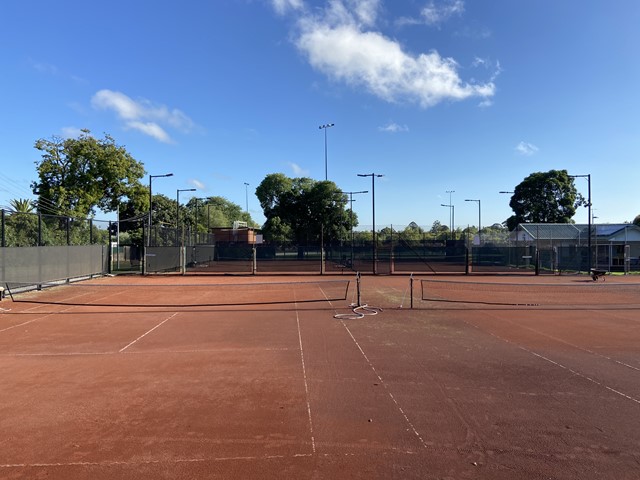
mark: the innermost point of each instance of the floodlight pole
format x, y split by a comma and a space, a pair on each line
324, 127
451, 209
351, 200
151, 177
178, 212
588, 177
373, 203
451, 214
204, 199
479, 220
246, 195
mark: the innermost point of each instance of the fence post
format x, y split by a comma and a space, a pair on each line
39, 229
254, 263
2, 244
143, 252
391, 260
467, 260
537, 262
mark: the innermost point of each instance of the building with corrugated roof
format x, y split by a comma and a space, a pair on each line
615, 246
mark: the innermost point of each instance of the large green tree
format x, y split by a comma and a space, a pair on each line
216, 212
76, 175
303, 210
544, 197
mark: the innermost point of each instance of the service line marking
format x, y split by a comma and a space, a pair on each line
148, 332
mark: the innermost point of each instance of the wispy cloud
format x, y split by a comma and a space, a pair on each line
45, 68
197, 184
393, 128
342, 42
297, 169
143, 115
526, 149
71, 132
283, 6
435, 13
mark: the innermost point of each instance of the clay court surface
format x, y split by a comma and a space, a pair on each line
499, 382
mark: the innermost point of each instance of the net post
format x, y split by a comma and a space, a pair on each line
411, 290
467, 260
8, 290
358, 288
254, 260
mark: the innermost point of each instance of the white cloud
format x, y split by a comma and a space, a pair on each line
143, 115
393, 128
298, 170
341, 43
71, 132
283, 6
197, 184
151, 129
527, 149
435, 13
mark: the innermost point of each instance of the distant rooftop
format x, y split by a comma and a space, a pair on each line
557, 231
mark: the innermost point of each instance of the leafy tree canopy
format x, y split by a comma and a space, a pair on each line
303, 209
544, 197
76, 175
216, 212
636, 221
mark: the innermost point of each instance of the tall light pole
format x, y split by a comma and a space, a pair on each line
588, 177
205, 201
324, 127
246, 195
451, 214
451, 207
178, 212
373, 203
151, 177
479, 220
351, 200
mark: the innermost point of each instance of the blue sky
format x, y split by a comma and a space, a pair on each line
437, 95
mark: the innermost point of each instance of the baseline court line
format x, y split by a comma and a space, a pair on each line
147, 333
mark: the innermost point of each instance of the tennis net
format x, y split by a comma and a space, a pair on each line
580, 293
108, 292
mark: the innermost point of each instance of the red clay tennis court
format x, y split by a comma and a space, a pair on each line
255, 377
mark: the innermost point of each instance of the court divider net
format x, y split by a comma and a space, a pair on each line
105, 292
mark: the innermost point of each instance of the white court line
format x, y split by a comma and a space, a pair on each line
123, 463
36, 319
147, 333
553, 362
577, 347
382, 382
146, 352
306, 384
